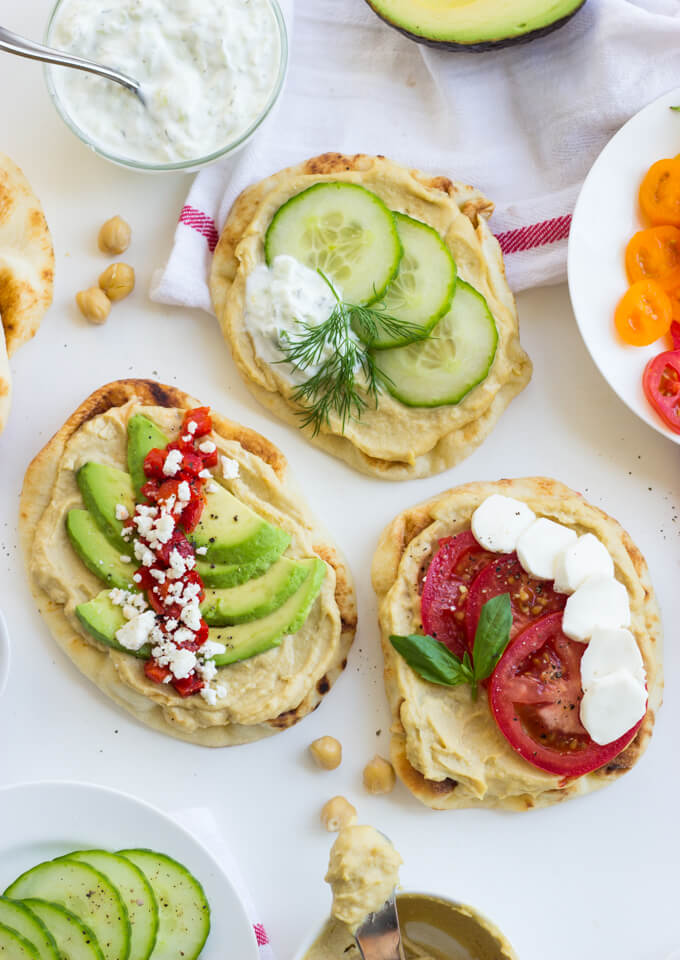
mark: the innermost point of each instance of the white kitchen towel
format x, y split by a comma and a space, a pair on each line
202, 824
524, 124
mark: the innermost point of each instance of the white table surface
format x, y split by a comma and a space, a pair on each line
594, 878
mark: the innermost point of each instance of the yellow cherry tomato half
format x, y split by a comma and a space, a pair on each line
654, 254
660, 192
643, 314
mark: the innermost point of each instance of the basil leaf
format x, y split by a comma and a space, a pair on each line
432, 660
492, 635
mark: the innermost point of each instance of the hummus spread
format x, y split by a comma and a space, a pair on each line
259, 690
363, 871
446, 746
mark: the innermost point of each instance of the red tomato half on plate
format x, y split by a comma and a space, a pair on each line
661, 383
535, 694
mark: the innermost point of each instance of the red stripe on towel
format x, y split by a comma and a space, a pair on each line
537, 235
201, 223
260, 935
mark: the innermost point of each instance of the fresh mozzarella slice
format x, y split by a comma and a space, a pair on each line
540, 544
612, 705
608, 652
588, 557
498, 522
598, 602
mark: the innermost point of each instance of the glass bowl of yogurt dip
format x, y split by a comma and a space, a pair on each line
210, 70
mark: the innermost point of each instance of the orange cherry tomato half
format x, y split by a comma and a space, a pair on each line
654, 254
644, 313
660, 192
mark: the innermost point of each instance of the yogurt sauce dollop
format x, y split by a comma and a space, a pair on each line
207, 69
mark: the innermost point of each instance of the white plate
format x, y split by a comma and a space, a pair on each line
605, 218
43, 820
4, 653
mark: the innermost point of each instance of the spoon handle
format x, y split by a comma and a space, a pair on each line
22, 47
379, 937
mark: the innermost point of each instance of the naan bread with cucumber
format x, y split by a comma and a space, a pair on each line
116, 567
366, 303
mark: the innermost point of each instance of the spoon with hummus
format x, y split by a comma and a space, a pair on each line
21, 46
363, 873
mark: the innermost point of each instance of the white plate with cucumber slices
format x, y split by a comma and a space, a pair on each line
45, 821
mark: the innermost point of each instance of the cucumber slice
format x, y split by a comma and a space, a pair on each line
456, 356
344, 230
85, 892
137, 895
17, 916
74, 939
15, 947
423, 289
183, 911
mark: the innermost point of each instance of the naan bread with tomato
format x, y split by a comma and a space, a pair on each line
447, 746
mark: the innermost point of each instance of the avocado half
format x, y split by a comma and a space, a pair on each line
475, 25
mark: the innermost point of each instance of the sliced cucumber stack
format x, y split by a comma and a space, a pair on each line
183, 911
343, 230
455, 357
423, 289
97, 905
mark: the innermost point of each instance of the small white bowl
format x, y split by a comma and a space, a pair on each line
4, 653
491, 937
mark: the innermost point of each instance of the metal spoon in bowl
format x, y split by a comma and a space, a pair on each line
13, 43
379, 937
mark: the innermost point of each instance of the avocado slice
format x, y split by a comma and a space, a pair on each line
246, 640
103, 619
233, 533
257, 598
103, 488
143, 436
218, 575
97, 553
476, 25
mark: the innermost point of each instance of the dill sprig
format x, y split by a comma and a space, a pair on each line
333, 389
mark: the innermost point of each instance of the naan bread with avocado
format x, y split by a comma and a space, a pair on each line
446, 746
394, 441
262, 695
26, 269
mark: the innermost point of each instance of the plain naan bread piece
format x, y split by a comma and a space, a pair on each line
447, 748
394, 442
26, 257
267, 693
5, 382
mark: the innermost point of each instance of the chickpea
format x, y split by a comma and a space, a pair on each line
117, 281
94, 305
327, 751
114, 236
338, 813
379, 776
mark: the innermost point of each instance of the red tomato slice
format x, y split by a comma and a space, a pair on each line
529, 598
535, 694
442, 605
661, 383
